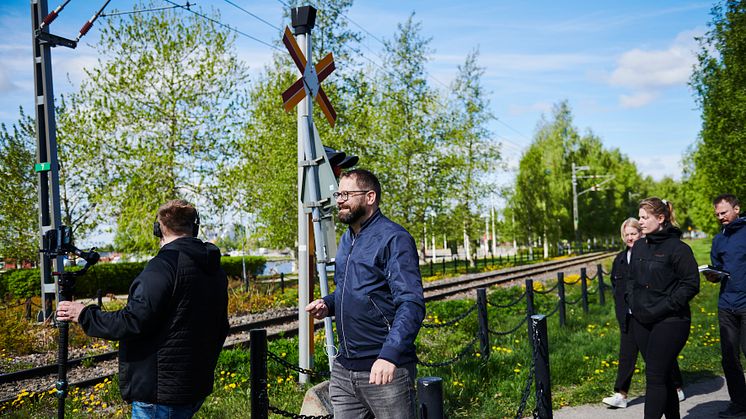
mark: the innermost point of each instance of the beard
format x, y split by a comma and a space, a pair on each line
353, 214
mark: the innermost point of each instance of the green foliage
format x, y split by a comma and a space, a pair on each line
18, 202
542, 203
113, 278
159, 112
715, 161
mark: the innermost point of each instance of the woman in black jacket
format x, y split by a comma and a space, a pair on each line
628, 349
662, 279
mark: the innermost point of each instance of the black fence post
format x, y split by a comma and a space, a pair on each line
455, 264
99, 297
430, 395
282, 282
529, 297
258, 360
444, 265
431, 268
466, 265
484, 334
561, 295
584, 289
601, 285
540, 345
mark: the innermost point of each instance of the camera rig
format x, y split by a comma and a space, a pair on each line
59, 242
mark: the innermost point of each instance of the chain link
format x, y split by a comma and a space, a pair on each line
297, 368
547, 291
572, 303
518, 300
461, 355
451, 322
511, 330
287, 414
556, 308
526, 390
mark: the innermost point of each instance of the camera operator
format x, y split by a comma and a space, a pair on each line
174, 324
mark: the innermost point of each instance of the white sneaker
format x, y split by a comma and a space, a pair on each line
617, 400
681, 394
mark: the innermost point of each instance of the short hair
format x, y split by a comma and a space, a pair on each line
658, 206
630, 222
179, 216
729, 198
364, 179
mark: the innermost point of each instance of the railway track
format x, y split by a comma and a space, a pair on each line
284, 324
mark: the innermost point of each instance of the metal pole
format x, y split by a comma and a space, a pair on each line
484, 333
601, 285
561, 295
540, 345
430, 395
575, 204
584, 289
46, 154
529, 297
303, 22
258, 360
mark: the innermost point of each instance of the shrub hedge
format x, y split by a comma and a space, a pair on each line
109, 277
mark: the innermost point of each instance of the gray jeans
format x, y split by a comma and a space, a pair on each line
353, 397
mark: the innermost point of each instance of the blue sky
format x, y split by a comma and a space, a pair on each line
622, 66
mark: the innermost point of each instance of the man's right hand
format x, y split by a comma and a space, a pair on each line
318, 309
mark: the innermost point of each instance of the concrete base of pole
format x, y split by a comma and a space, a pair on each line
317, 402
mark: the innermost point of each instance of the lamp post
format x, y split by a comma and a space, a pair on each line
576, 194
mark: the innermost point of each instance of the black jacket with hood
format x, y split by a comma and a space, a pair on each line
173, 326
662, 276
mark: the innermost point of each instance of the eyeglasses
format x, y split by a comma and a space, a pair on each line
345, 195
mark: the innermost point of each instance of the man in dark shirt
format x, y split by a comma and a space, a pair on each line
174, 324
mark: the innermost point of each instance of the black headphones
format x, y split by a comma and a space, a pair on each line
157, 232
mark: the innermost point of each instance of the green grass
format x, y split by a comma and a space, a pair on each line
582, 355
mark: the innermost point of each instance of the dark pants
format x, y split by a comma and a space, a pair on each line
660, 344
732, 343
628, 350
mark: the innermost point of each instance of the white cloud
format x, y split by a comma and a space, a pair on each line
638, 99
659, 166
647, 72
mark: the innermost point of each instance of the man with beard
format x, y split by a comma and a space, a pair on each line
378, 304
728, 254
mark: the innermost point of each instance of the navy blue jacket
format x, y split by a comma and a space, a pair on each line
728, 253
378, 302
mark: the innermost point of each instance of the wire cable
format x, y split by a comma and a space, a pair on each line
252, 15
154, 9
229, 27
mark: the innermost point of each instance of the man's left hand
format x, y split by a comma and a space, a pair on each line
382, 372
69, 310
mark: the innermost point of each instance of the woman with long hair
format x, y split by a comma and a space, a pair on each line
631, 232
662, 279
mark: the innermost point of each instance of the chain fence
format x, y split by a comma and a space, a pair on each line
516, 301
451, 322
470, 349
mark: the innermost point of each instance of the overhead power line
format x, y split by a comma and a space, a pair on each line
154, 9
252, 15
229, 27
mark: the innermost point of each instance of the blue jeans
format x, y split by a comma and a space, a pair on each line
142, 410
353, 397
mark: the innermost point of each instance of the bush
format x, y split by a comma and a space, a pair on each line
114, 278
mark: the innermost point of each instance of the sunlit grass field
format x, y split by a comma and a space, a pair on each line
583, 359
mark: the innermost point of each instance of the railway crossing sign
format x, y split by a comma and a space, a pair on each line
310, 82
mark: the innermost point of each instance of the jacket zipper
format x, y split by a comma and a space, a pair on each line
342, 303
388, 325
